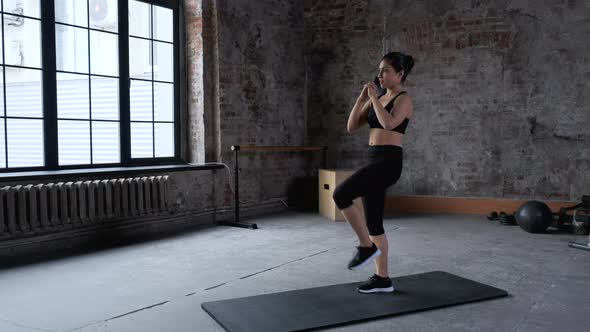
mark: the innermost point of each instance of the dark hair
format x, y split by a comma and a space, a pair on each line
400, 61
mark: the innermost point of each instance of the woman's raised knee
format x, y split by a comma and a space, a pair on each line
340, 198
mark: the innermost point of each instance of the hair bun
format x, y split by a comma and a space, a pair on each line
408, 63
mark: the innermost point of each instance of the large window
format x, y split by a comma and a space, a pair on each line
88, 83
22, 116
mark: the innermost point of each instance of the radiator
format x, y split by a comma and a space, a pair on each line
27, 208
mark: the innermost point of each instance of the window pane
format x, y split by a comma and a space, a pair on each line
163, 25
105, 98
72, 12
163, 102
1, 44
1, 90
2, 145
23, 7
104, 15
25, 143
142, 140
164, 139
164, 56
140, 58
72, 96
139, 19
73, 142
104, 53
105, 142
71, 48
22, 43
140, 101
23, 92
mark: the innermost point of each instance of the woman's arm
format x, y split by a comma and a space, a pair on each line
398, 114
358, 115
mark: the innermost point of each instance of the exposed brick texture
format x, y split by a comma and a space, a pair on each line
500, 89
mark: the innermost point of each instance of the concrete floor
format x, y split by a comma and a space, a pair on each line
159, 285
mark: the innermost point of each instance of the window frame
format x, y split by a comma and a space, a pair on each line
49, 92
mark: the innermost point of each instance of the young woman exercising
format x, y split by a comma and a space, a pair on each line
387, 115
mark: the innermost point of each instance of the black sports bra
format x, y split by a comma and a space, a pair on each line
374, 121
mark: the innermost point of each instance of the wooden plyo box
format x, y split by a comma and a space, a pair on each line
329, 179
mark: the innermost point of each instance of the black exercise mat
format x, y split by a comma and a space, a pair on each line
310, 308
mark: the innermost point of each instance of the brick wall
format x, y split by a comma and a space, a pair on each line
500, 90
246, 87
261, 91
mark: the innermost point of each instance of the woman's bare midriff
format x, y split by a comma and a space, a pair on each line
378, 136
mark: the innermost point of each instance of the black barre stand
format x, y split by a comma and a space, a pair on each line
236, 149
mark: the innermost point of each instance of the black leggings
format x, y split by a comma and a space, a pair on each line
371, 182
